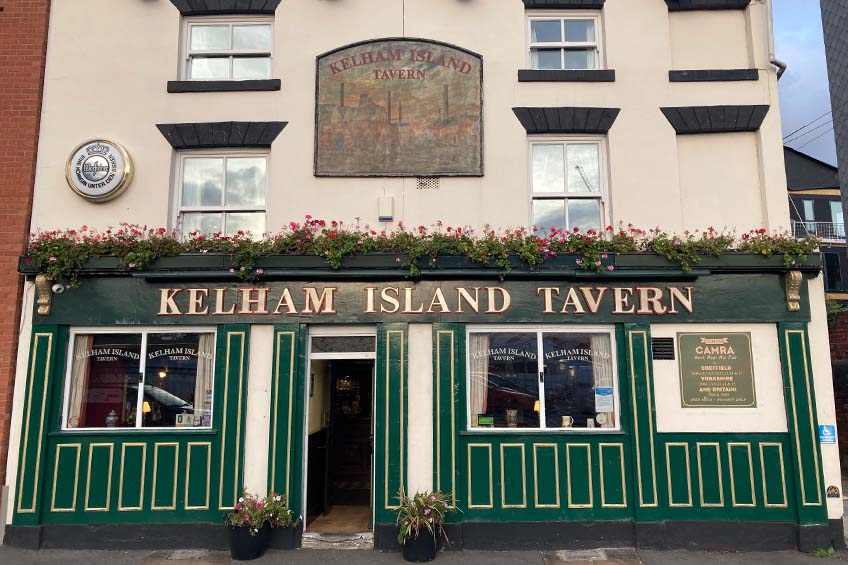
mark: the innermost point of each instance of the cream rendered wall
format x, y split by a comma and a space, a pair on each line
258, 409
695, 44
768, 416
419, 448
128, 97
318, 402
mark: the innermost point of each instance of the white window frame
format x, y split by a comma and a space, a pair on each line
187, 53
603, 173
540, 330
179, 209
144, 331
598, 44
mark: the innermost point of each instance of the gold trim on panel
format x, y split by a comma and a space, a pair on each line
813, 436
156, 447
91, 447
523, 477
26, 424
59, 448
588, 473
121, 507
620, 448
720, 504
766, 503
189, 446
671, 502
491, 487
642, 503
450, 333
536, 475
753, 502
292, 336
236, 459
401, 446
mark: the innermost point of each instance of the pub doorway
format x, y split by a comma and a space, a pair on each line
340, 431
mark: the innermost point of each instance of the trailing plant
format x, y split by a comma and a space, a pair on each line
63, 254
249, 512
279, 514
423, 511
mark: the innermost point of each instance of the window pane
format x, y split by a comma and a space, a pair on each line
104, 370
832, 271
546, 58
503, 369
206, 68
579, 31
252, 223
580, 59
205, 223
809, 213
246, 181
203, 181
584, 214
546, 31
256, 37
583, 169
210, 38
178, 380
578, 381
246, 68
548, 168
549, 214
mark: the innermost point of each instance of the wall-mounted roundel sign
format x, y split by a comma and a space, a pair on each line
99, 170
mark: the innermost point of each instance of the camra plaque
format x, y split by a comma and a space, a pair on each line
99, 170
716, 370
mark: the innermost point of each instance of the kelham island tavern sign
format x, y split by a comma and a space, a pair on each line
399, 108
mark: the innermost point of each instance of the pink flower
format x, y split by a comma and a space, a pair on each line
579, 261
51, 259
260, 271
232, 270
28, 260
246, 517
610, 268
426, 511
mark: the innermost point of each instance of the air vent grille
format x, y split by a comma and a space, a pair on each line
662, 348
428, 183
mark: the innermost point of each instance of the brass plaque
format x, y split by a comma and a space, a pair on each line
716, 370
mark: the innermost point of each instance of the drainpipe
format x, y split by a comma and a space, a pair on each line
781, 66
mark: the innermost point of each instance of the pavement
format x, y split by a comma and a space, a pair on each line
14, 556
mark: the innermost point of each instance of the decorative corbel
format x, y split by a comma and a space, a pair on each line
793, 290
45, 294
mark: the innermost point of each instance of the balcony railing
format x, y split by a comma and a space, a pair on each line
826, 231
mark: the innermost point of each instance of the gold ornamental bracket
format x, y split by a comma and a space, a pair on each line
793, 290
45, 294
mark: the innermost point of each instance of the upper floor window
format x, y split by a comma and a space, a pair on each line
227, 49
222, 193
567, 183
558, 43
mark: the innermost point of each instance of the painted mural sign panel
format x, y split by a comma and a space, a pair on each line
399, 107
716, 370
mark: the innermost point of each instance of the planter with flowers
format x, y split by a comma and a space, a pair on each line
248, 526
283, 533
420, 519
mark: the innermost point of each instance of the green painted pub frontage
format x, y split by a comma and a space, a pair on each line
560, 408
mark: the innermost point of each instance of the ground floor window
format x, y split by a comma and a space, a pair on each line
140, 379
542, 379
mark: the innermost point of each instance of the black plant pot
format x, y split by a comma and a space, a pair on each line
244, 546
421, 549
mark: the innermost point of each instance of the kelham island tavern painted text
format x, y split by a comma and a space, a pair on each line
530, 254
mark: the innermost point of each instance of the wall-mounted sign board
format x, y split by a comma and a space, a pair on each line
716, 370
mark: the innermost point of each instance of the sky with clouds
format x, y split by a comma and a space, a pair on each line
804, 94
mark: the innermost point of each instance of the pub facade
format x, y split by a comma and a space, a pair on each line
645, 400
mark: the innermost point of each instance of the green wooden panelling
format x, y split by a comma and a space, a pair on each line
198, 472
98, 480
613, 479
46, 349
66, 464
286, 422
390, 406
480, 477
638, 366
773, 475
448, 409
710, 478
578, 465
679, 475
166, 464
513, 475
800, 400
232, 353
133, 475
742, 489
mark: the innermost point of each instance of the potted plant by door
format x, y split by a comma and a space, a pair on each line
283, 524
420, 520
248, 525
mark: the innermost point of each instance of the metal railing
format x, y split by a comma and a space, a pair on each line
826, 231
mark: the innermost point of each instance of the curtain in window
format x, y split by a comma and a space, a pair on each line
602, 365
479, 344
79, 380
205, 379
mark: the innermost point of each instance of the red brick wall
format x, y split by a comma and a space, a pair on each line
23, 45
839, 358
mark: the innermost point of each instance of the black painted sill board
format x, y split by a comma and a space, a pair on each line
714, 75
181, 86
551, 75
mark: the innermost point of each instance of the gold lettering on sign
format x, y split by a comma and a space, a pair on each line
549, 298
473, 303
286, 302
650, 301
506, 300
167, 306
622, 301
439, 298
393, 300
248, 301
325, 304
571, 299
686, 302
407, 302
593, 302
196, 306
369, 300
219, 304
